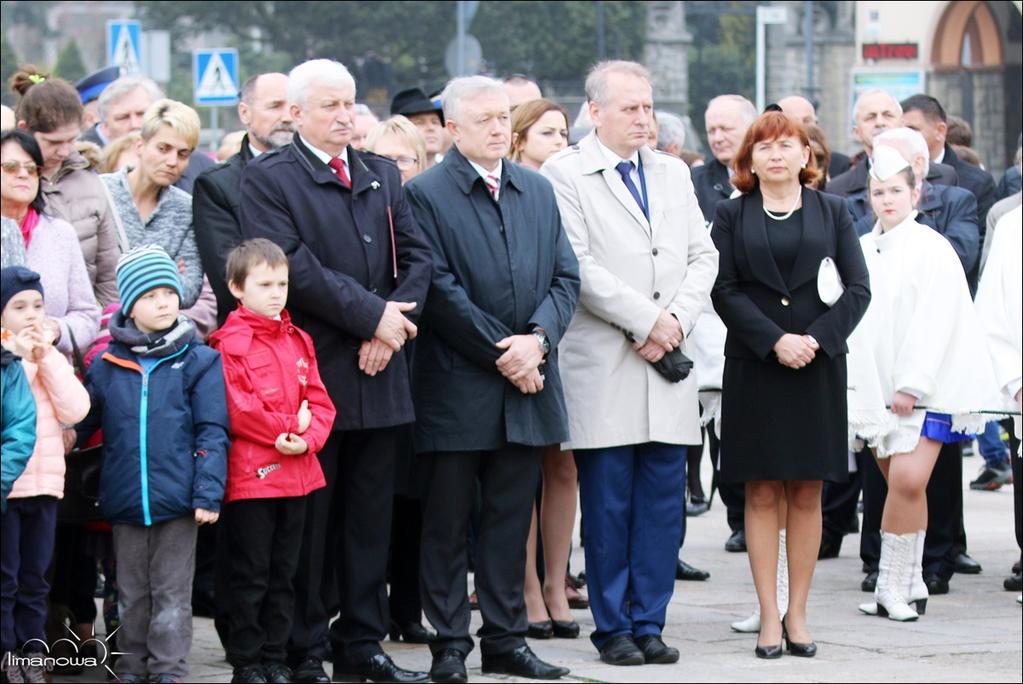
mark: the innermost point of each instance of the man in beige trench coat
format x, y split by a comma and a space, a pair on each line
647, 265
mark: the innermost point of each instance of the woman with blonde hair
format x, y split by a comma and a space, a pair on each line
399, 140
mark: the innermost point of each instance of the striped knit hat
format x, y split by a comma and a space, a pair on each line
143, 269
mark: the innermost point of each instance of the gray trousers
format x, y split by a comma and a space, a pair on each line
155, 566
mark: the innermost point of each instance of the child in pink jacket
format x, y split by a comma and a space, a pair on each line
30, 521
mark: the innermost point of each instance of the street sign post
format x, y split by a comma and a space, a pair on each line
215, 74
124, 45
215, 78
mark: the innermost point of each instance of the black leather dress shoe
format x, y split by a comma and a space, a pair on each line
936, 585
869, 582
737, 542
377, 668
565, 629
622, 650
1013, 582
250, 674
685, 571
965, 565
831, 545
449, 666
655, 651
310, 671
522, 662
277, 673
410, 633
697, 507
540, 630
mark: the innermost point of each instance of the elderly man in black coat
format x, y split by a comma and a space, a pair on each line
487, 389
360, 271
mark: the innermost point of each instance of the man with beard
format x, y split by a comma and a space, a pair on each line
263, 110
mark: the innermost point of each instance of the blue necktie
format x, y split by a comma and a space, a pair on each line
625, 170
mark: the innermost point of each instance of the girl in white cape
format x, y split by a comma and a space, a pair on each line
1000, 305
920, 351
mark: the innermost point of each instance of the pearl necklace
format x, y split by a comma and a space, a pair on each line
791, 211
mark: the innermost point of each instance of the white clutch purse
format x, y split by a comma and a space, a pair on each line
829, 282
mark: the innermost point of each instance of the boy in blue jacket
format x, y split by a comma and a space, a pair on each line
158, 394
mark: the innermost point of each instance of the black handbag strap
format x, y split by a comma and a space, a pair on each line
76, 355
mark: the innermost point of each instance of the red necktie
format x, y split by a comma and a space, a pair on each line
338, 165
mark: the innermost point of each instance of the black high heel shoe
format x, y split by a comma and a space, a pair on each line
797, 649
769, 652
541, 630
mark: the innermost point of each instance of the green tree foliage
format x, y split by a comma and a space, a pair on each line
8, 67
555, 42
405, 41
70, 66
723, 55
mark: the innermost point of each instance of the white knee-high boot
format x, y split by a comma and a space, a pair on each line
752, 623
916, 593
897, 552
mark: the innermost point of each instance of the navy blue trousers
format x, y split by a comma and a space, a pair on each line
632, 501
29, 528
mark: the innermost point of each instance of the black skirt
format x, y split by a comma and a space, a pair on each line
778, 423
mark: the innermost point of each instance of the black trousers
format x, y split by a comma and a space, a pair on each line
264, 537
733, 495
1017, 486
508, 479
406, 532
839, 499
364, 495
342, 563
945, 534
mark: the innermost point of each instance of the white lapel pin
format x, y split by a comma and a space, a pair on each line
375, 185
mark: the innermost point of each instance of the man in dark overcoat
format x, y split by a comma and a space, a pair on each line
360, 271
216, 195
487, 389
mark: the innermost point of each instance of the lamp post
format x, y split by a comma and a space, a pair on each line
765, 15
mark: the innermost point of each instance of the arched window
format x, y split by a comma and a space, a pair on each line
967, 37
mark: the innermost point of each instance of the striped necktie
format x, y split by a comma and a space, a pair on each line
494, 185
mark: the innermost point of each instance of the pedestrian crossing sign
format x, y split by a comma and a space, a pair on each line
124, 45
216, 77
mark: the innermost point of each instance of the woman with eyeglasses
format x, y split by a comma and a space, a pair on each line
51, 245
399, 140
51, 111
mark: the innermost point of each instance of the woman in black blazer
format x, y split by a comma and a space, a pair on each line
783, 417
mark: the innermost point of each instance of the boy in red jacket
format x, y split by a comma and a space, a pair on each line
280, 417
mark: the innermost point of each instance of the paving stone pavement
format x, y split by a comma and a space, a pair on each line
973, 634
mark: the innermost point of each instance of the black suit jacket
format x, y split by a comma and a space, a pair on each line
840, 163
92, 135
758, 305
976, 180
340, 250
712, 185
500, 269
216, 216
854, 181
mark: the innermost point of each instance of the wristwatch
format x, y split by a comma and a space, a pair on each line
545, 344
